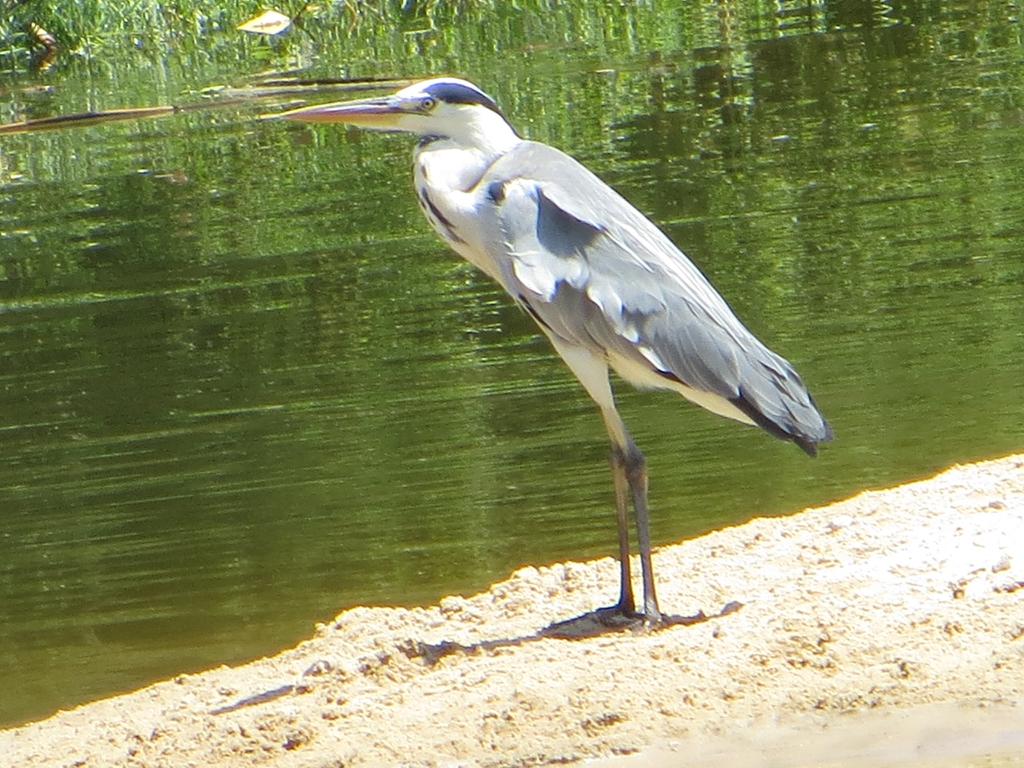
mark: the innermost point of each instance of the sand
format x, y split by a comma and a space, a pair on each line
886, 629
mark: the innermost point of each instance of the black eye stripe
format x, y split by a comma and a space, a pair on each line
457, 93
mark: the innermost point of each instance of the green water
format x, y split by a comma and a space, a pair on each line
243, 387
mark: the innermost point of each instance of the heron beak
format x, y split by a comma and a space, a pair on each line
380, 113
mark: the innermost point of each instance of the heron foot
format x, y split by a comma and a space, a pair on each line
612, 618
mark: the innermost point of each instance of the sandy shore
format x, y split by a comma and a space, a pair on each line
881, 630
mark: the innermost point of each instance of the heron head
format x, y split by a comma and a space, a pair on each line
445, 107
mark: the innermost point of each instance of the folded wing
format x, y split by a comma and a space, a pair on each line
594, 272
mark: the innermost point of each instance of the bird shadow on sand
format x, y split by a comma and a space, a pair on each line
604, 621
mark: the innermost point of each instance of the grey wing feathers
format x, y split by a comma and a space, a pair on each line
595, 272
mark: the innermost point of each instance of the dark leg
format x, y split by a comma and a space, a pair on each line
636, 474
629, 471
629, 468
626, 605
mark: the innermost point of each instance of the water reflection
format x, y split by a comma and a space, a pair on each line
242, 387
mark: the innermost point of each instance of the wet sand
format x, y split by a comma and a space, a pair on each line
887, 629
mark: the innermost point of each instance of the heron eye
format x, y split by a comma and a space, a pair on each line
427, 103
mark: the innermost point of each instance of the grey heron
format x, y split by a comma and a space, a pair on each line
603, 283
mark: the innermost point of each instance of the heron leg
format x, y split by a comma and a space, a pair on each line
629, 468
636, 474
626, 604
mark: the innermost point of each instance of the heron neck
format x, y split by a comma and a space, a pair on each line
450, 164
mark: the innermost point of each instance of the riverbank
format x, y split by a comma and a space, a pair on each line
898, 603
